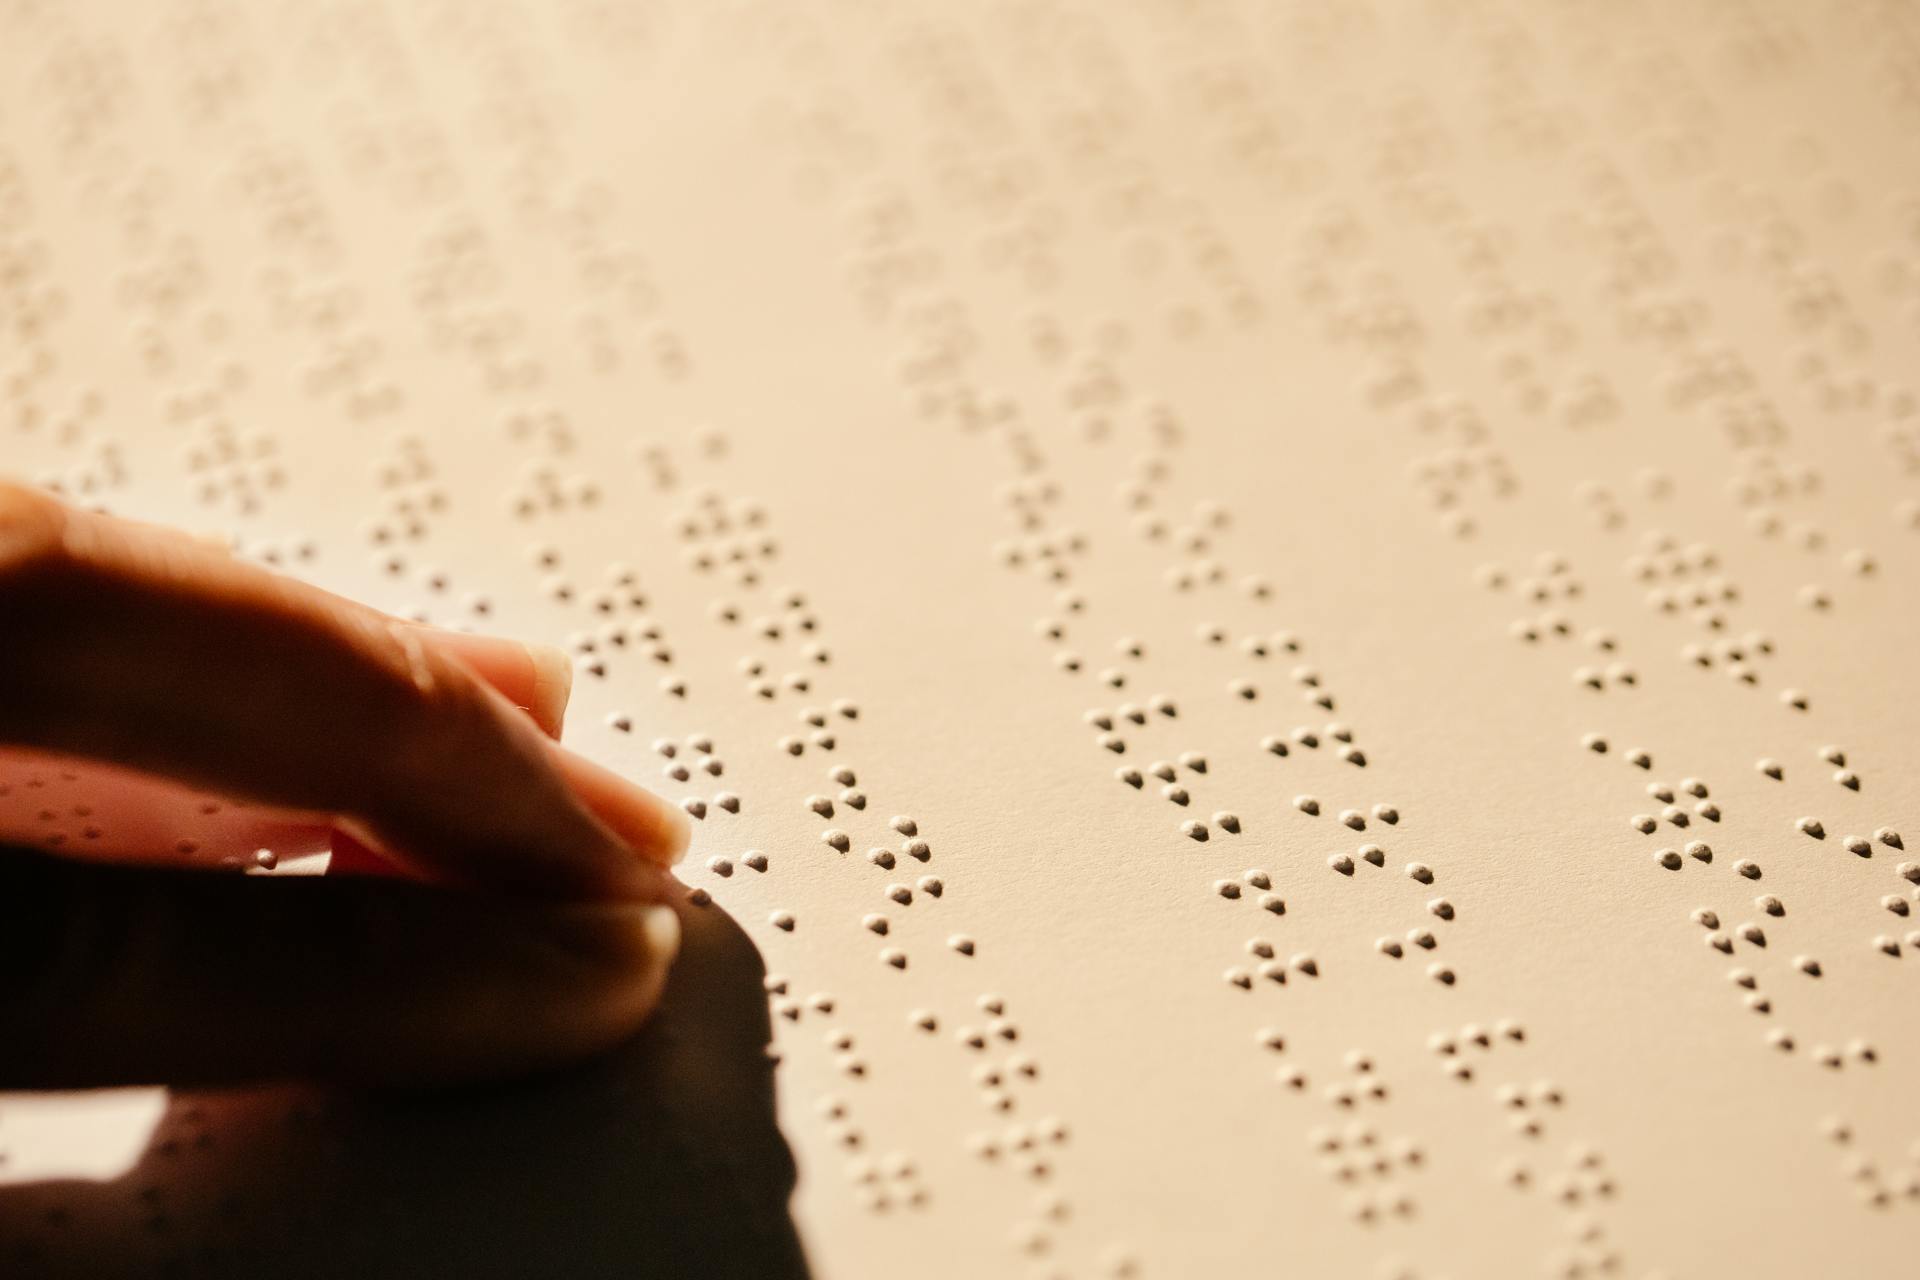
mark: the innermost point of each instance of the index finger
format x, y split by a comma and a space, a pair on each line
151, 650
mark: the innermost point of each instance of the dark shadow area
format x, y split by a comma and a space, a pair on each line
661, 1159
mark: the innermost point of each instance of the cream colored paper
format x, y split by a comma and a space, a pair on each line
1473, 438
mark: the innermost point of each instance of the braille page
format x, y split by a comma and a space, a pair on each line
1288, 629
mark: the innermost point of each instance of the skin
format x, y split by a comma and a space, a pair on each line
514, 916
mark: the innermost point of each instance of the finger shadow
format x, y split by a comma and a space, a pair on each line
661, 1158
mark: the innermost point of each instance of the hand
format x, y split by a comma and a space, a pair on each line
523, 924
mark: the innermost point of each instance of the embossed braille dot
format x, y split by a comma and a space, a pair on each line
1858, 847
1748, 868
1257, 879
1227, 822
755, 860
1193, 830
962, 943
1273, 903
1699, 851
838, 841
1342, 863
1307, 805
1807, 965
1226, 888
1668, 858
894, 958
1888, 837
1811, 827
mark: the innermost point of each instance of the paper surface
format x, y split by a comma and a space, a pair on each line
1231, 583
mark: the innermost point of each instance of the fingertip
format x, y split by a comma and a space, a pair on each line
628, 949
537, 678
651, 825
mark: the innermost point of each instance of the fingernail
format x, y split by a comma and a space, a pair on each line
625, 936
661, 928
552, 686
680, 834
